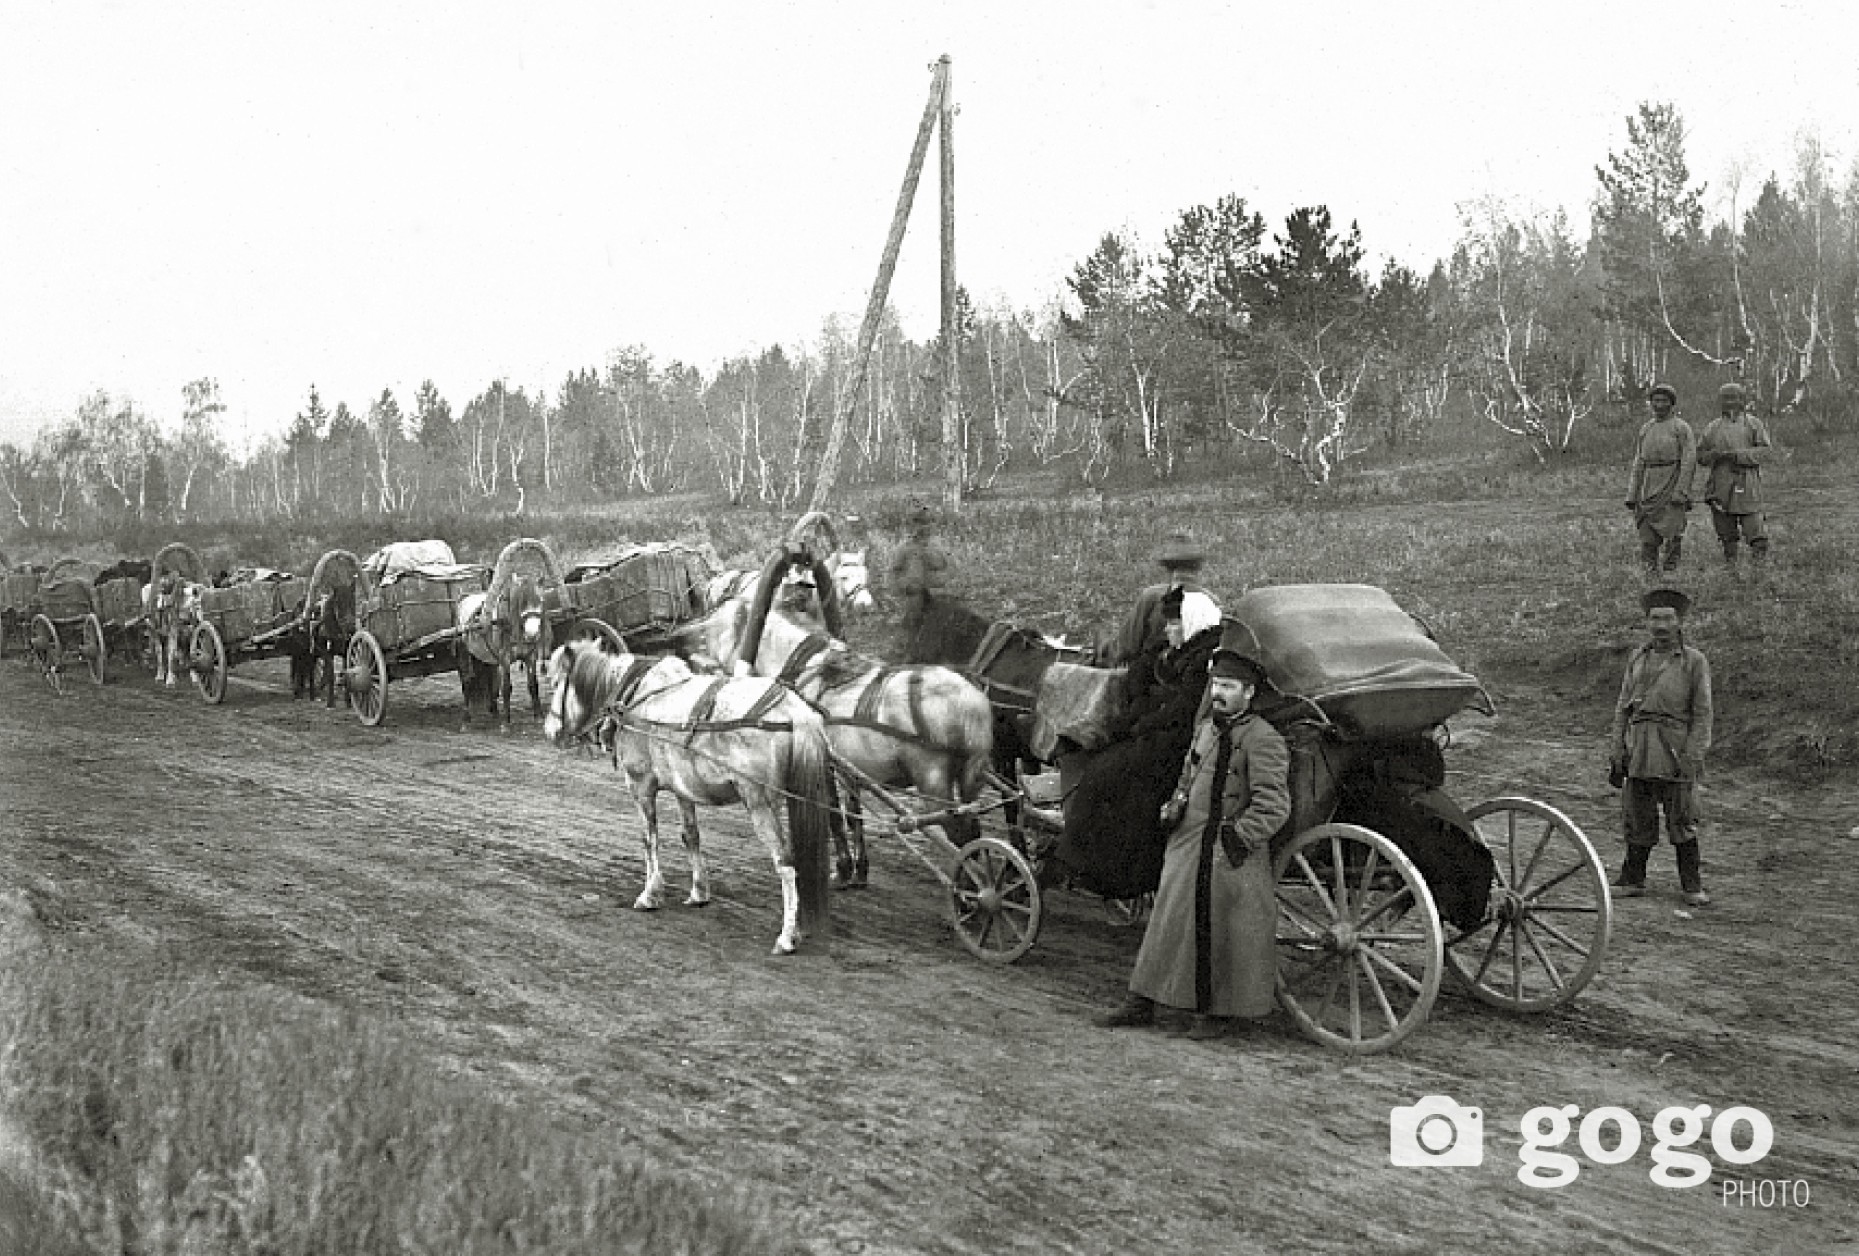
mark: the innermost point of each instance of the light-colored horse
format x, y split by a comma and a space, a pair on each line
173, 607
498, 633
926, 727
714, 741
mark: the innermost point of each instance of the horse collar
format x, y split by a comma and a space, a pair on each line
816, 644
629, 680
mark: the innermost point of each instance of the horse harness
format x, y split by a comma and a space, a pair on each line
699, 720
865, 711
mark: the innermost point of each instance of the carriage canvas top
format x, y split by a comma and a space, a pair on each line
1372, 668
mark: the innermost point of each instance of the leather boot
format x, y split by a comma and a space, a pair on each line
1729, 553
1690, 873
1631, 883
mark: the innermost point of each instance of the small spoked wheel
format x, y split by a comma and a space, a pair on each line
95, 651
998, 909
47, 652
1546, 930
207, 663
366, 678
1359, 939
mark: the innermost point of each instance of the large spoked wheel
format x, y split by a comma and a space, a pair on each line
207, 662
46, 651
998, 909
366, 678
601, 631
94, 649
1551, 914
1359, 939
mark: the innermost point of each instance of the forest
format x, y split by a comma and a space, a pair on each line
1235, 343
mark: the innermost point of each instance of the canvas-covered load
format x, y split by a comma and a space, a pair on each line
67, 598
415, 606
1373, 669
242, 611
647, 585
433, 560
119, 601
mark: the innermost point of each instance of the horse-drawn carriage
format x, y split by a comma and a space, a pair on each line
1383, 883
407, 600
77, 608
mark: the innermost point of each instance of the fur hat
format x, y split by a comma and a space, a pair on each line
1667, 389
1730, 392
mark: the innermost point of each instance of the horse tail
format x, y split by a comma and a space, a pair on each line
809, 815
975, 734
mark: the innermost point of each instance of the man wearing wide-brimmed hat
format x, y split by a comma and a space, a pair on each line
919, 570
1210, 947
1665, 461
1661, 733
1145, 628
1732, 451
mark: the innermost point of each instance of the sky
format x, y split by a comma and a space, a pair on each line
367, 195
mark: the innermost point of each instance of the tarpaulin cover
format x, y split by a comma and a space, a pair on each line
1351, 649
416, 606
431, 559
1078, 703
646, 585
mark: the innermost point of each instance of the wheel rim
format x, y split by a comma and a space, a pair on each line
998, 908
47, 651
1551, 915
1358, 939
598, 630
208, 663
96, 652
367, 679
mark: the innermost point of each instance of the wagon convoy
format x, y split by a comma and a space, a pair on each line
1384, 884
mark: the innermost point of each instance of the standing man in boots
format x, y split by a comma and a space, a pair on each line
1211, 947
1662, 731
1732, 450
1665, 460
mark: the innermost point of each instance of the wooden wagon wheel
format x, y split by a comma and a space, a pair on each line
43, 642
206, 662
1359, 939
93, 647
1546, 930
366, 678
998, 907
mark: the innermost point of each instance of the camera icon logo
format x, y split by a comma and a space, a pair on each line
1436, 1132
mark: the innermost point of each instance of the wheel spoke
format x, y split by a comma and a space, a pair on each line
1516, 964
1584, 908
1355, 1005
1287, 908
1536, 949
1549, 831
1341, 873
1560, 936
1404, 895
1559, 878
1497, 940
1329, 995
1416, 938
1468, 935
1316, 884
1510, 842
1381, 996
1393, 969
1368, 875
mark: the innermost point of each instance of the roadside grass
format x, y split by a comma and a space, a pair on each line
175, 1114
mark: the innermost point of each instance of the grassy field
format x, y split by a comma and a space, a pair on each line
153, 1098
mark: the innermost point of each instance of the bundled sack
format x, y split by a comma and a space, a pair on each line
1373, 669
1077, 703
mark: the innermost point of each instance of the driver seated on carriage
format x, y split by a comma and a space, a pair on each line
1113, 840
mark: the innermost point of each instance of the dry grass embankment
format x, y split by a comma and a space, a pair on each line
167, 1113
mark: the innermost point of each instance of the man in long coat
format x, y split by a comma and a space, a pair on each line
1143, 630
1665, 461
1210, 944
1661, 733
919, 570
1732, 451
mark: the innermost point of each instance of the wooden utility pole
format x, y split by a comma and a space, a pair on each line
953, 445
938, 105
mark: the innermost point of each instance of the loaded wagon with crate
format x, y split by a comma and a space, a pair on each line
260, 615
408, 620
636, 597
79, 609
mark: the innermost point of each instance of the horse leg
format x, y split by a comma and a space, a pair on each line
836, 822
503, 687
530, 667
767, 824
700, 870
855, 824
652, 897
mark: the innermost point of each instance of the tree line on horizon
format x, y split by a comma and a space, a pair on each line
1228, 343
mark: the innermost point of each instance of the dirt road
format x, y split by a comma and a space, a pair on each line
887, 1091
